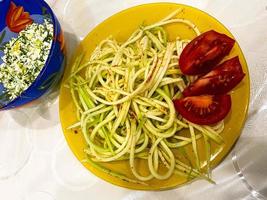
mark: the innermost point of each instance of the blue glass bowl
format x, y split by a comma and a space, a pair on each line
53, 69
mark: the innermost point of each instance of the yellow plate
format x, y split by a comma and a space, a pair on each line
121, 25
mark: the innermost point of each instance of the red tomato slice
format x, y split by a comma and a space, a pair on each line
205, 52
220, 80
205, 109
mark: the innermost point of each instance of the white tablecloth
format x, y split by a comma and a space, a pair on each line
37, 164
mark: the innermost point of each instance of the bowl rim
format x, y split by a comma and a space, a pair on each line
55, 29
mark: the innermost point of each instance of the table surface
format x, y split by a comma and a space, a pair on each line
40, 165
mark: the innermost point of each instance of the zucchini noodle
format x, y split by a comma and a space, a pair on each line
123, 95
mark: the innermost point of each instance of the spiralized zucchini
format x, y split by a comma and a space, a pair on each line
124, 94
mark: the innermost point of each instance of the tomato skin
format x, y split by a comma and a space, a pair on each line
204, 52
204, 109
220, 80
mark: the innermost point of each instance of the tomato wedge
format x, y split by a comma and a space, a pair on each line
205, 52
205, 109
220, 80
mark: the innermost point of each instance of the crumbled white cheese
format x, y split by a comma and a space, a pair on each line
25, 57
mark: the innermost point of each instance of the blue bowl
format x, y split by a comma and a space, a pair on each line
53, 69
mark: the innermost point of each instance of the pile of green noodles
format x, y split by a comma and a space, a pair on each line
124, 94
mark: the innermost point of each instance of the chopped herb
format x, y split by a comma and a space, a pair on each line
25, 57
